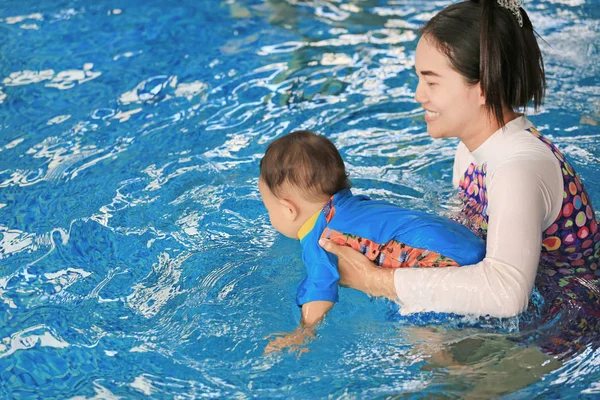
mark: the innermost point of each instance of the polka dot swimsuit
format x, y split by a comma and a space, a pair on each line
568, 277
571, 245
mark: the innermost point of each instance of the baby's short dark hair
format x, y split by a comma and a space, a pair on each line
306, 161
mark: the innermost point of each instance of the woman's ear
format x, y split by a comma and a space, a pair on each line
481, 95
291, 210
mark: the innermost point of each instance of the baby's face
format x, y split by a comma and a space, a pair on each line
279, 214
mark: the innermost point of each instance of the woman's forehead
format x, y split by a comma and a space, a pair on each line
429, 59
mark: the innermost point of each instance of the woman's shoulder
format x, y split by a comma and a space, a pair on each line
518, 146
527, 144
526, 156
518, 141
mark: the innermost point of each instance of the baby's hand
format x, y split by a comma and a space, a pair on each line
293, 341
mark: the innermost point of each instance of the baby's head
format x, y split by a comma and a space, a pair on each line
298, 174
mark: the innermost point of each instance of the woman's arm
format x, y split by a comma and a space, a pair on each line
521, 200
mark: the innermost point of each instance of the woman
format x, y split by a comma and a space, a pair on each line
478, 62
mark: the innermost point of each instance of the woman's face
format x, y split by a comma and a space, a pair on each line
452, 107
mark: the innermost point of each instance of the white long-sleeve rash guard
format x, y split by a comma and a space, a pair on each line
525, 194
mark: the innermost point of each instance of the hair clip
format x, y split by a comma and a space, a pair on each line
513, 6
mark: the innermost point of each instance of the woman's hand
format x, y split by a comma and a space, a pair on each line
357, 272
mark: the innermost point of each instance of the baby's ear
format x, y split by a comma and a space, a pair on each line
291, 210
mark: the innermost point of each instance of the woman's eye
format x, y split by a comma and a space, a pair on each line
431, 83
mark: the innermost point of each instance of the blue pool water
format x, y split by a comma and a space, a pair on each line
136, 259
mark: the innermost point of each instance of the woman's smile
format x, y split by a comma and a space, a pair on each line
431, 116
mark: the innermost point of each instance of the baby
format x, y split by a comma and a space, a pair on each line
306, 191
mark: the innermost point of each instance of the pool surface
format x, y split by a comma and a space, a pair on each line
136, 258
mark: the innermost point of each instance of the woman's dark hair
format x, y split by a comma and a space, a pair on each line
306, 161
486, 45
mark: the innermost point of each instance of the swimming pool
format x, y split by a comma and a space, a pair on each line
136, 259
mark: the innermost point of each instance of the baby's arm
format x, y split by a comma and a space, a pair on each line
317, 294
313, 312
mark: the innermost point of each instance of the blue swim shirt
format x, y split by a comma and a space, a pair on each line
385, 232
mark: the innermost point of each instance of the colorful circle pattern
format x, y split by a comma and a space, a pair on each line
568, 277
571, 245
473, 193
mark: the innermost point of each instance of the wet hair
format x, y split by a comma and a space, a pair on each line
306, 161
486, 45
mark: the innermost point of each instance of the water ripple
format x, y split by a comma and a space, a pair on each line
61, 80
160, 286
29, 338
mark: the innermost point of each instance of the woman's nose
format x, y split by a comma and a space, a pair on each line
420, 96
